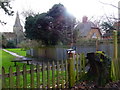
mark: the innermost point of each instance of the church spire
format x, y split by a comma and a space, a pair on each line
17, 21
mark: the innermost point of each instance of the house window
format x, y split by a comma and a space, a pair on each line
94, 35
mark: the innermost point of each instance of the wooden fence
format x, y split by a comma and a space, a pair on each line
60, 74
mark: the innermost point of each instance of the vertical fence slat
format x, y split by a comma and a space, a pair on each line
58, 76
43, 75
18, 77
81, 62
3, 78
71, 72
66, 74
115, 45
115, 62
83, 57
119, 68
24, 76
62, 73
38, 75
48, 75
80, 66
32, 76
77, 74
53, 74
11, 78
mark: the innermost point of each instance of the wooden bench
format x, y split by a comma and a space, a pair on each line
27, 60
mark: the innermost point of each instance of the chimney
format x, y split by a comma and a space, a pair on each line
84, 19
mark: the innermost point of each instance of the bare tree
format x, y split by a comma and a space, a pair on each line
5, 5
28, 13
110, 4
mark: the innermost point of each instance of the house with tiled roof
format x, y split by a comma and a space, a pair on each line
88, 30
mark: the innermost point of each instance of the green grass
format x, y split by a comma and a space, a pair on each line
18, 51
6, 60
6, 63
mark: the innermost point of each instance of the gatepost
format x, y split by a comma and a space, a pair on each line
71, 66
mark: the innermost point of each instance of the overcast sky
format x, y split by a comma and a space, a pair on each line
78, 8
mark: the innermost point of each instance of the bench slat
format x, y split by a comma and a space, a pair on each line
21, 61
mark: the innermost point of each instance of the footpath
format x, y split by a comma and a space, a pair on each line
22, 57
12, 53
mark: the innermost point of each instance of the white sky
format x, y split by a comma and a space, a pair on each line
78, 8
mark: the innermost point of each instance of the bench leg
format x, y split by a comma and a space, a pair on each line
15, 64
27, 62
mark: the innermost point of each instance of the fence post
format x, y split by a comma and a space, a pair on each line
31, 76
80, 66
58, 76
83, 63
38, 75
53, 74
66, 73
71, 73
115, 45
18, 77
43, 75
48, 75
62, 73
115, 61
3, 78
24, 76
11, 78
77, 74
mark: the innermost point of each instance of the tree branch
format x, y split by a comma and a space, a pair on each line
109, 5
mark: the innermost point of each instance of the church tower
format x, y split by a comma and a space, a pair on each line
18, 30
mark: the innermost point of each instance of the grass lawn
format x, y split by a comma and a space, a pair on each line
18, 51
6, 63
6, 60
